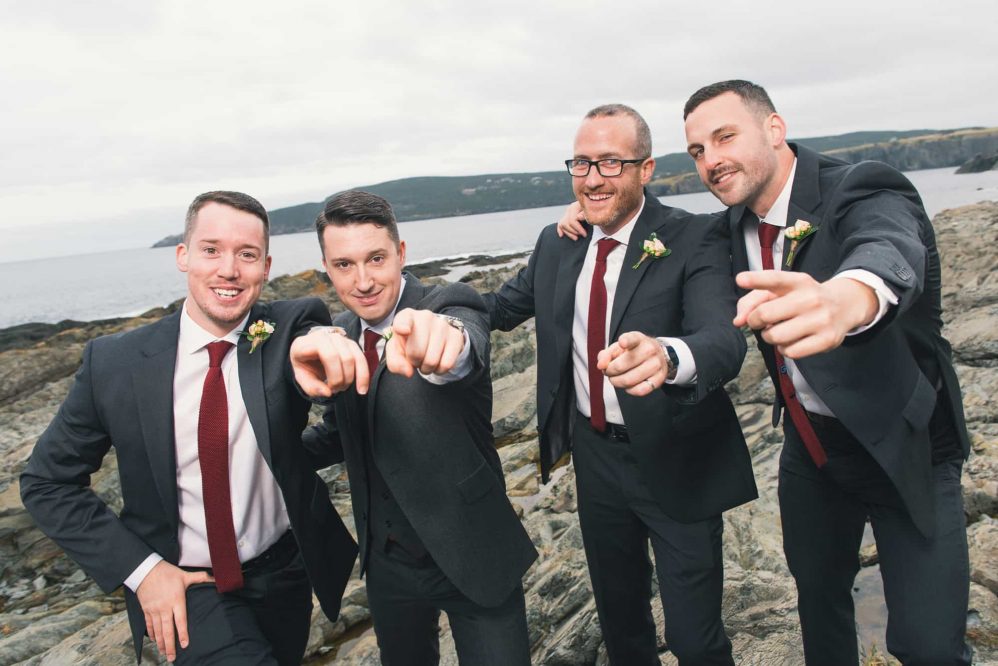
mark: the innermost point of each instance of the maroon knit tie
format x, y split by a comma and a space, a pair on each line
596, 333
768, 233
213, 454
371, 350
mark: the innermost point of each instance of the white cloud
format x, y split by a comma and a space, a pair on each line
117, 107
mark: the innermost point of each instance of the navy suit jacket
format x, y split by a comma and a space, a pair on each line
687, 439
882, 384
123, 397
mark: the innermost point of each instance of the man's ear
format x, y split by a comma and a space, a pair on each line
647, 170
777, 128
182, 258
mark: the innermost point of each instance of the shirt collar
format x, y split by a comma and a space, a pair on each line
193, 338
382, 325
777, 215
623, 234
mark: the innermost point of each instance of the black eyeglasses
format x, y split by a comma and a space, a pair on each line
607, 168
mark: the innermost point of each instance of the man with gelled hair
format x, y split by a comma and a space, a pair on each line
841, 283
225, 529
407, 371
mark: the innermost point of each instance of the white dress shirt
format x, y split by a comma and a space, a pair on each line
777, 216
259, 515
462, 366
686, 372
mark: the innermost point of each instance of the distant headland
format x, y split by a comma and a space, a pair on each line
429, 197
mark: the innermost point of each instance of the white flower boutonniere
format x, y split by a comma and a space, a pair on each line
653, 248
257, 333
798, 232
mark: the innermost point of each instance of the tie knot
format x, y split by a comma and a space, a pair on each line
768, 233
217, 351
604, 247
371, 340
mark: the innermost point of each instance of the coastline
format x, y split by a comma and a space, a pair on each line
50, 612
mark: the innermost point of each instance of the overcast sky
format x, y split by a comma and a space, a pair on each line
116, 113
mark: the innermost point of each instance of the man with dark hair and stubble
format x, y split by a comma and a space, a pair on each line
407, 371
840, 277
634, 343
225, 528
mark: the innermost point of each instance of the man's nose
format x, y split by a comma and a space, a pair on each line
365, 280
228, 266
594, 178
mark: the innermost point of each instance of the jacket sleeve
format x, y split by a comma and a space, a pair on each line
709, 304
513, 303
321, 442
55, 488
879, 222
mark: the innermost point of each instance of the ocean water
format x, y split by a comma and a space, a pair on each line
126, 282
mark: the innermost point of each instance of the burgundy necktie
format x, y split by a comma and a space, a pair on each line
371, 350
596, 333
768, 233
213, 455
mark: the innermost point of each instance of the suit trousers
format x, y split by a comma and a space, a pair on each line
926, 580
406, 595
266, 623
619, 516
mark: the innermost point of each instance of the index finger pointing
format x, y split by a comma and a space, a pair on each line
778, 282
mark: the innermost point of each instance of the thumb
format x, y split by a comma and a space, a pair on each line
629, 340
196, 577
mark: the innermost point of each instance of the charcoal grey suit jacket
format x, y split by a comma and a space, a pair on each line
433, 445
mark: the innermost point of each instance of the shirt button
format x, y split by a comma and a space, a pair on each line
242, 543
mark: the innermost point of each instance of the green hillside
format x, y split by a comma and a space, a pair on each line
429, 197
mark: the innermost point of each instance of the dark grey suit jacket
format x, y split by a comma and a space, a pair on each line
687, 439
882, 383
123, 397
433, 445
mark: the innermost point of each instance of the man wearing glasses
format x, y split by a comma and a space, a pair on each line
634, 341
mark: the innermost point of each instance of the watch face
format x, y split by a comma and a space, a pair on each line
453, 321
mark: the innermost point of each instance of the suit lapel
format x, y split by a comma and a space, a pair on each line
570, 260
252, 387
805, 197
651, 220
411, 296
152, 378
739, 255
793, 249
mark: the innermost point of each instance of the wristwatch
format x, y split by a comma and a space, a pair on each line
338, 330
673, 362
453, 321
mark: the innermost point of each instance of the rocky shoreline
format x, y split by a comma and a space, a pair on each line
53, 614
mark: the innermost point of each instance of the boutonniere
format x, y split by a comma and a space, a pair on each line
257, 333
798, 232
653, 248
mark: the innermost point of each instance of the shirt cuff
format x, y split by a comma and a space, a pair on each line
885, 297
141, 571
686, 373
462, 367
